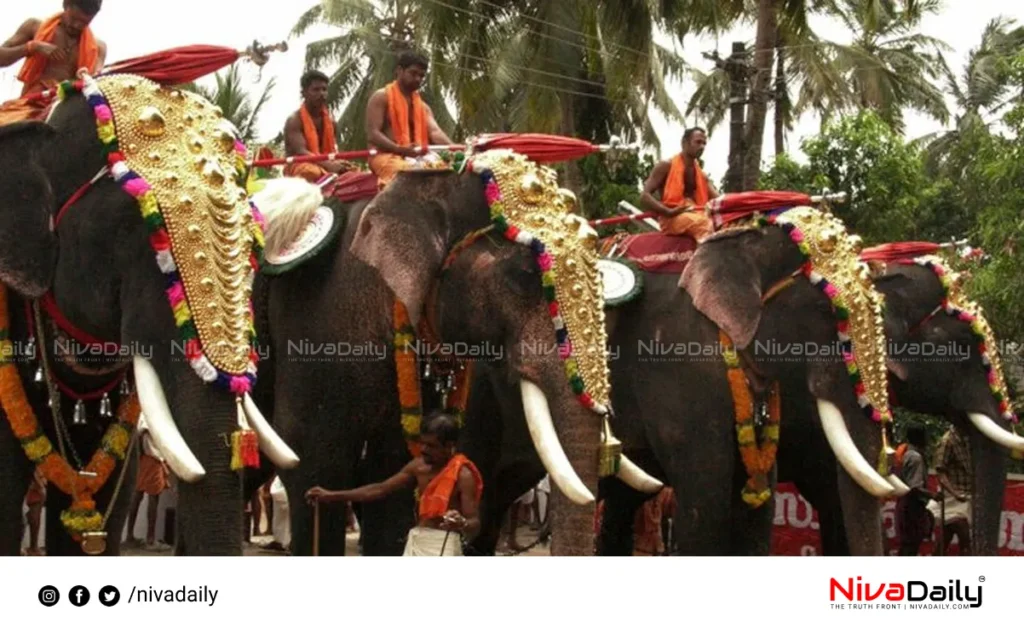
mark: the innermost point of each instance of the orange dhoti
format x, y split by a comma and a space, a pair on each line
387, 166
307, 171
152, 478
696, 224
33, 107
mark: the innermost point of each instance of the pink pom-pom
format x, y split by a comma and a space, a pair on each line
544, 261
565, 350
176, 294
831, 291
103, 114
796, 235
491, 192
848, 358
136, 187
239, 385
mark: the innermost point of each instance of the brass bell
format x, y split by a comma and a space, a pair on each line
79, 418
39, 376
106, 410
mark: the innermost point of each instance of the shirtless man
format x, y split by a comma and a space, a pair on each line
448, 486
53, 49
683, 186
398, 123
310, 131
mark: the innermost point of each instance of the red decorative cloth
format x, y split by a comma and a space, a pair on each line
653, 252
735, 206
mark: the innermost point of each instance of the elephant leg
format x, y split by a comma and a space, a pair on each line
383, 532
16, 474
822, 491
511, 482
618, 517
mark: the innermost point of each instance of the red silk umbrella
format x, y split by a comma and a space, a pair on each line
895, 251
187, 63
353, 185
735, 206
541, 148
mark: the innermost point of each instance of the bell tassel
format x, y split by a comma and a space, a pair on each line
106, 410
245, 449
80, 417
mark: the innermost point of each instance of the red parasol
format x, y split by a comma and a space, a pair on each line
735, 206
895, 251
542, 148
187, 63
352, 185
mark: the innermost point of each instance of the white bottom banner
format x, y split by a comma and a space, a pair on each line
499, 594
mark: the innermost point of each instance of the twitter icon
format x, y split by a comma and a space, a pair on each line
109, 596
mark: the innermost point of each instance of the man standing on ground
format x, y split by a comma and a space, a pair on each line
913, 521
954, 471
54, 50
398, 124
682, 185
310, 131
447, 483
152, 481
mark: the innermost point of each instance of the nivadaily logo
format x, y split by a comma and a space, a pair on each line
913, 594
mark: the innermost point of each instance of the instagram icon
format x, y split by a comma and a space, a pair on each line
49, 596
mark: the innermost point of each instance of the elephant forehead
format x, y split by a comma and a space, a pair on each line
533, 202
188, 155
834, 255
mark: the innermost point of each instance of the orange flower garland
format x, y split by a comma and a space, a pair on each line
758, 460
409, 394
82, 515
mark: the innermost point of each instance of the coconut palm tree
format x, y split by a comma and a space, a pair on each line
982, 88
232, 96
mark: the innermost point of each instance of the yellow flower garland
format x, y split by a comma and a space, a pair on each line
758, 460
82, 515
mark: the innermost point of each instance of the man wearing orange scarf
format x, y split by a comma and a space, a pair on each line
54, 50
310, 131
448, 486
683, 186
399, 125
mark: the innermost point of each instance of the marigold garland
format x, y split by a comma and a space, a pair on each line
141, 191
409, 393
82, 515
758, 460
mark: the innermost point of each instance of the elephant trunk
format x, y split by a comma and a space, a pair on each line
989, 463
209, 508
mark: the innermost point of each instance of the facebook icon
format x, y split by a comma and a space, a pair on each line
79, 596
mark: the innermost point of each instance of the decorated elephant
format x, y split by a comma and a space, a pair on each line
943, 360
766, 288
490, 258
127, 259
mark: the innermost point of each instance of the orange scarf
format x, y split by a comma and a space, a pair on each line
675, 184
398, 115
438, 493
313, 142
35, 65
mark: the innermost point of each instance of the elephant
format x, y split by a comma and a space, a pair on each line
674, 411
422, 241
948, 381
75, 240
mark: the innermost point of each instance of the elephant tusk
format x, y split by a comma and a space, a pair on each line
545, 440
636, 478
162, 428
270, 442
897, 485
996, 433
847, 454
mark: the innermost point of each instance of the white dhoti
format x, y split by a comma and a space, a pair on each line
282, 525
423, 541
955, 509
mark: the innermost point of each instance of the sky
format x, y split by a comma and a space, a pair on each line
130, 30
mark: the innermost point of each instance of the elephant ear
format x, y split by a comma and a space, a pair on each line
724, 282
28, 256
403, 234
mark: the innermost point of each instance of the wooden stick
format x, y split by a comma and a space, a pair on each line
316, 527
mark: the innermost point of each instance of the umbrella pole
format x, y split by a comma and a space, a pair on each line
316, 527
